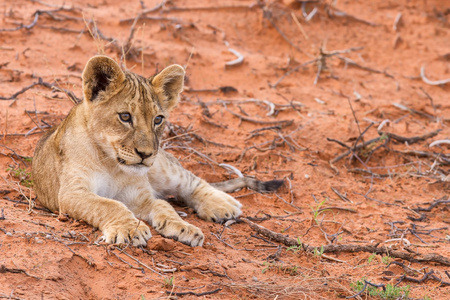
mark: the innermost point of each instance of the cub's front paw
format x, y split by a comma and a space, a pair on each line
181, 231
132, 230
219, 207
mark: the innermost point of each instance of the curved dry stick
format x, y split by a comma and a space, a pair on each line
239, 60
432, 257
232, 168
426, 276
432, 82
438, 142
364, 288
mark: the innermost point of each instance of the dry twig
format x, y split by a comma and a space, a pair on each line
192, 293
414, 257
4, 269
268, 15
333, 11
282, 123
432, 82
40, 82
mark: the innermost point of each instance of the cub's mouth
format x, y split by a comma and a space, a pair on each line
123, 162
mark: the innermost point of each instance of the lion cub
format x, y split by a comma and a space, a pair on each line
103, 164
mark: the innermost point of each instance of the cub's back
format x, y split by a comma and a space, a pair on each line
47, 162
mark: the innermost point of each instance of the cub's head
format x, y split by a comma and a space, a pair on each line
125, 113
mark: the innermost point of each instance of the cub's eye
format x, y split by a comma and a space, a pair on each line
125, 117
158, 120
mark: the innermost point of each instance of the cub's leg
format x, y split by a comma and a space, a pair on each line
168, 177
165, 219
114, 219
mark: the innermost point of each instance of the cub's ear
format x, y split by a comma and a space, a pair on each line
168, 85
101, 74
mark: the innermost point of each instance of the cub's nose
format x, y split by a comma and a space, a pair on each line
143, 155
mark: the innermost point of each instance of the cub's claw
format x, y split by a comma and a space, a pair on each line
135, 231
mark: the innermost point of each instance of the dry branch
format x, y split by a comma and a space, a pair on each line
130, 265
152, 18
350, 62
192, 293
244, 118
410, 140
223, 7
338, 208
433, 205
321, 62
384, 136
412, 110
40, 82
36, 15
343, 197
4, 269
426, 276
413, 257
338, 158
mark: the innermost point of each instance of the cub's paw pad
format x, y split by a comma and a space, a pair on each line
181, 231
137, 233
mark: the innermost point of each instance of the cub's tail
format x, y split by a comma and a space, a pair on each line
252, 183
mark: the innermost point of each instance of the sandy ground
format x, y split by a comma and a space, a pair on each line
313, 72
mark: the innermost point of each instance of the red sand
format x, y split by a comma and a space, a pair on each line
43, 257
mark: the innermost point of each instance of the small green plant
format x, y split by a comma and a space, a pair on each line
389, 292
317, 211
296, 248
285, 269
266, 268
22, 174
318, 252
371, 257
364, 152
168, 282
292, 270
386, 260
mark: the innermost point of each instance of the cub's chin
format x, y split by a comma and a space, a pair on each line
135, 170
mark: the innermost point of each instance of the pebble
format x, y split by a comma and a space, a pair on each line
8, 234
162, 244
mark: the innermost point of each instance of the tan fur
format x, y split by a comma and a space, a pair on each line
108, 172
